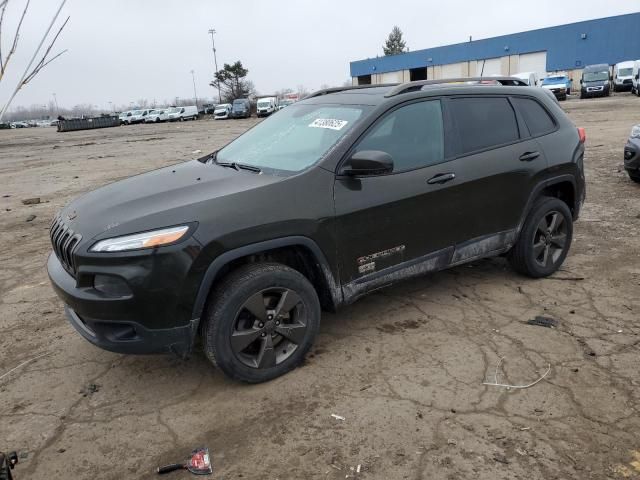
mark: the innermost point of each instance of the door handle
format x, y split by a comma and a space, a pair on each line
527, 157
441, 178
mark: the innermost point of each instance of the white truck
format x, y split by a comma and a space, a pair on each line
623, 76
157, 116
266, 106
531, 78
189, 112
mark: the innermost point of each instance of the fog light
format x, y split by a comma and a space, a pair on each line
112, 286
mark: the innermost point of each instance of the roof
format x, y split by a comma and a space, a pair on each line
377, 95
607, 40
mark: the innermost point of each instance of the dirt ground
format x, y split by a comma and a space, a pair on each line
405, 366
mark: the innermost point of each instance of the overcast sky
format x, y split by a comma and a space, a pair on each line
124, 50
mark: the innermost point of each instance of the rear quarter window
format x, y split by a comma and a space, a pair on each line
535, 116
483, 123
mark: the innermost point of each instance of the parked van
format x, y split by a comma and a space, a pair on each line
635, 78
266, 106
596, 81
156, 116
138, 116
623, 76
241, 108
531, 78
222, 111
189, 112
125, 117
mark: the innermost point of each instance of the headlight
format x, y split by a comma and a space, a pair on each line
635, 132
155, 238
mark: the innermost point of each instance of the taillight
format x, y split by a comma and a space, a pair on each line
583, 134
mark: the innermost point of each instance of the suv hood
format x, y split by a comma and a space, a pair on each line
166, 197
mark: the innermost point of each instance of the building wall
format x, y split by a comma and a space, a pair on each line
608, 40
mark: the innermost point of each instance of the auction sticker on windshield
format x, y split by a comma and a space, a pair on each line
330, 123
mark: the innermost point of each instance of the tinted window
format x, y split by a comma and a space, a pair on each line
535, 116
483, 123
412, 135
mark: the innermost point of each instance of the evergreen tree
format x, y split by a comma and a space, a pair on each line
395, 44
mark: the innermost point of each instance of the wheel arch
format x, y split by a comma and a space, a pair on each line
563, 187
298, 252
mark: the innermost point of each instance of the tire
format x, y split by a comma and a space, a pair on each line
634, 176
543, 245
263, 287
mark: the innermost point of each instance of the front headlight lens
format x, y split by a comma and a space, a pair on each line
155, 238
635, 131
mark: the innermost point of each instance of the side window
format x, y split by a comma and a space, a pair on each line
535, 116
483, 123
413, 135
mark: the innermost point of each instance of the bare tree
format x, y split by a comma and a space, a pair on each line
30, 71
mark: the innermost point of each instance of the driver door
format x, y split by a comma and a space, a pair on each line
403, 223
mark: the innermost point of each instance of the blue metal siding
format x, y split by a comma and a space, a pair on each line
609, 40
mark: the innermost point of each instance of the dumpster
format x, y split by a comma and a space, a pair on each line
88, 123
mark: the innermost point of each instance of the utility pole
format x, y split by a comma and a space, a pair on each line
55, 100
215, 59
195, 95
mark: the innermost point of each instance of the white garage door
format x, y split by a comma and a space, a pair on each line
453, 70
534, 62
492, 66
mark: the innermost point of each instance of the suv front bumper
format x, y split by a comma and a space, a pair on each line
111, 322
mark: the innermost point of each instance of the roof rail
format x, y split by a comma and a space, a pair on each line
415, 86
327, 91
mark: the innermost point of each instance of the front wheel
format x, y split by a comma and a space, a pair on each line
545, 239
635, 176
262, 323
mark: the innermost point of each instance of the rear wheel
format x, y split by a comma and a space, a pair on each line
545, 239
263, 322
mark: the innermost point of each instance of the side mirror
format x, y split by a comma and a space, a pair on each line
368, 162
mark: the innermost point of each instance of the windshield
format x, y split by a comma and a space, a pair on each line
173, 110
596, 76
295, 138
136, 112
554, 80
264, 103
224, 106
625, 72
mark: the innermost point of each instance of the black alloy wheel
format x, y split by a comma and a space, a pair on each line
269, 328
550, 239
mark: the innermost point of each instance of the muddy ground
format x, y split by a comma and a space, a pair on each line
405, 366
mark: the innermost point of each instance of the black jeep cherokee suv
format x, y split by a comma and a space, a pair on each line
343, 193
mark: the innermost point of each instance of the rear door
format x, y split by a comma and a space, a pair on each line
496, 162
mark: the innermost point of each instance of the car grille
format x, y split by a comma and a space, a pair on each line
64, 241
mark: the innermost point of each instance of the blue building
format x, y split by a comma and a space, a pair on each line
567, 48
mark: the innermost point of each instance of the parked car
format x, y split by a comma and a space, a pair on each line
222, 111
241, 108
623, 77
596, 81
157, 116
635, 79
632, 154
558, 84
531, 78
189, 112
125, 117
138, 116
243, 247
266, 106
285, 103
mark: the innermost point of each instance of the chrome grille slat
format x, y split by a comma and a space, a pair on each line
64, 242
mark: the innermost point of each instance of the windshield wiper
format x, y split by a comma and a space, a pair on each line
238, 166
